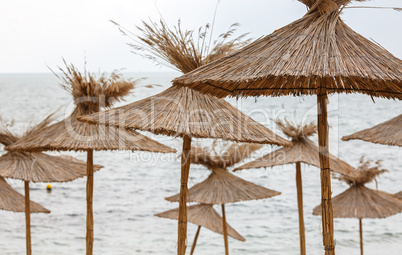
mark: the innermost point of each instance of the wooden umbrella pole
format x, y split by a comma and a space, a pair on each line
185, 169
28, 218
195, 240
361, 236
326, 202
300, 207
90, 191
225, 230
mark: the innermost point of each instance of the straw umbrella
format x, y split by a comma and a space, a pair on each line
388, 133
36, 166
222, 187
11, 200
316, 54
181, 112
303, 150
361, 202
90, 95
203, 215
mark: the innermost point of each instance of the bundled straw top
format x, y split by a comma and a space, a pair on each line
388, 132
11, 200
90, 95
302, 150
36, 166
318, 50
361, 202
203, 215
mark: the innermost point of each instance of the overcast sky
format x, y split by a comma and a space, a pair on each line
37, 34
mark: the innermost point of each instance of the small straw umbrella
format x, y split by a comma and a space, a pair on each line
222, 187
303, 150
11, 200
203, 215
181, 112
90, 95
361, 202
388, 133
36, 166
399, 195
317, 54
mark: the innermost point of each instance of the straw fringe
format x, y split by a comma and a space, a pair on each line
203, 215
11, 200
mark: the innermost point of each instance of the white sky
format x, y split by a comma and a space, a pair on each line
37, 34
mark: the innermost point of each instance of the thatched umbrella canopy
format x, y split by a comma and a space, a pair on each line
203, 215
316, 54
399, 195
222, 187
36, 166
11, 200
303, 150
182, 112
361, 202
388, 133
90, 95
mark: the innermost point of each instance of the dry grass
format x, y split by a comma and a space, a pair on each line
11, 200
203, 215
318, 50
388, 133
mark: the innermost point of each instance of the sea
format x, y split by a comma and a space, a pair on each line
131, 187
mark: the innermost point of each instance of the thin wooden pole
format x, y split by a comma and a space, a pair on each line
300, 207
361, 236
225, 230
195, 240
326, 201
28, 218
185, 169
90, 191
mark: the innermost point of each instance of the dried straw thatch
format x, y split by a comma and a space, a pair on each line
317, 54
11, 200
302, 150
182, 112
317, 50
203, 215
361, 202
222, 187
388, 132
399, 195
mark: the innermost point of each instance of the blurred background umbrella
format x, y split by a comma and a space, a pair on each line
317, 54
36, 166
388, 133
302, 150
205, 216
181, 112
222, 187
90, 94
361, 202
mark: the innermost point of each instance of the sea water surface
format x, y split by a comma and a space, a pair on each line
131, 187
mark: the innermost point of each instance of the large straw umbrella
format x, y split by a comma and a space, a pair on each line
303, 150
388, 133
203, 215
181, 112
36, 166
90, 95
317, 54
222, 187
361, 202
